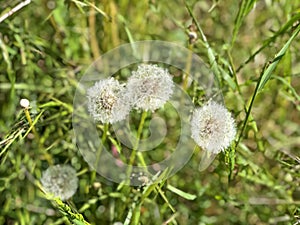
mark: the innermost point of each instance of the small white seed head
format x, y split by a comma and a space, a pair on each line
149, 88
60, 180
212, 127
105, 103
24, 103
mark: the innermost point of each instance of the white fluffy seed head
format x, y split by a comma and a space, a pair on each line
60, 180
105, 103
24, 103
149, 88
212, 127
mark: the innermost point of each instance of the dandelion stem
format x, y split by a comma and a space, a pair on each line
136, 145
103, 139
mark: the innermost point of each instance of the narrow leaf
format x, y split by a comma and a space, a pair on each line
268, 72
181, 193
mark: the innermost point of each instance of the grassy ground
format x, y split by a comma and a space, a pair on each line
253, 48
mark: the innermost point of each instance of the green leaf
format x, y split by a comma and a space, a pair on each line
245, 7
268, 72
267, 42
181, 193
289, 86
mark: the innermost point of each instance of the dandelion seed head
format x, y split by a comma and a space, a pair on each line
149, 87
212, 127
104, 102
24, 103
60, 180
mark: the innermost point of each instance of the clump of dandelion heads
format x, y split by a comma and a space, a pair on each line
104, 102
212, 127
149, 87
60, 180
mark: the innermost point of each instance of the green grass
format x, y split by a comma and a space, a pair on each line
251, 46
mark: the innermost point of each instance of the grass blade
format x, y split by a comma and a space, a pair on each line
266, 75
267, 42
181, 193
245, 8
268, 72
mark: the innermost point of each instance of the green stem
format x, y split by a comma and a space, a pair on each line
69, 212
265, 77
188, 67
248, 111
162, 194
136, 145
210, 52
27, 114
103, 139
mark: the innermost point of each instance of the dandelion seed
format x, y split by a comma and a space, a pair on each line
104, 102
212, 127
60, 180
149, 88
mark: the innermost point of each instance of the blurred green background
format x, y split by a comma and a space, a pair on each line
45, 49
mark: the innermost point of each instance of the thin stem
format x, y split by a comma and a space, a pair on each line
93, 36
136, 145
141, 158
162, 194
27, 114
14, 10
138, 136
188, 67
248, 111
210, 53
103, 139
